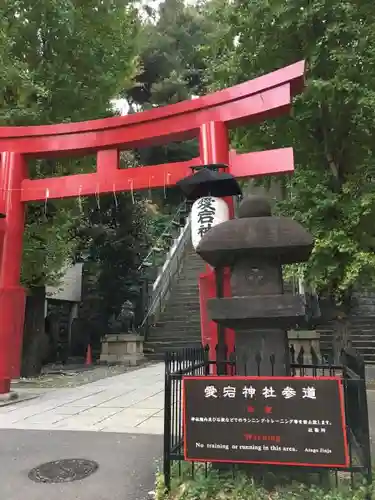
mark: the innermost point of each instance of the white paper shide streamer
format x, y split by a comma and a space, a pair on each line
206, 213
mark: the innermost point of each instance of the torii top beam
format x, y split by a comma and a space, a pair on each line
255, 100
207, 118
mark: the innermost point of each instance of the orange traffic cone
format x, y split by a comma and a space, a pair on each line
88, 356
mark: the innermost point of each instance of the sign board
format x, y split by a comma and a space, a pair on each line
206, 213
265, 420
70, 288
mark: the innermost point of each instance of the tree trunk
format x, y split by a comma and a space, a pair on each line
35, 343
337, 316
341, 337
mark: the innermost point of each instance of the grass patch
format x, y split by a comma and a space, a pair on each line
217, 485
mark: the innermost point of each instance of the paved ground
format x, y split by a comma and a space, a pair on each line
58, 376
132, 402
125, 415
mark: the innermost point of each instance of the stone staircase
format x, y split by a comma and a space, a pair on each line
179, 324
361, 321
362, 336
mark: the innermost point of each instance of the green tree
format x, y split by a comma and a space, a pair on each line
172, 67
171, 70
117, 230
332, 191
61, 61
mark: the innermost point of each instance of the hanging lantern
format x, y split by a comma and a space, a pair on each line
206, 213
208, 181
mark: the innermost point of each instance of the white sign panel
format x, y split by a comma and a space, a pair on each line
206, 213
70, 288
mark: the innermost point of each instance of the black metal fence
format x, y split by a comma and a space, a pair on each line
188, 362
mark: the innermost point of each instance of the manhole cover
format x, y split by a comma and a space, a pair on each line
63, 471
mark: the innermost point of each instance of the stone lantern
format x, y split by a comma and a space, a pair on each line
255, 246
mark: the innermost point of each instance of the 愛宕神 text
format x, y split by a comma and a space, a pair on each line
206, 213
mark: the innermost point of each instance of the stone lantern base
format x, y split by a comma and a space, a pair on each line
126, 349
307, 339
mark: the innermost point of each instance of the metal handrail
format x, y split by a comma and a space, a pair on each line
180, 209
166, 277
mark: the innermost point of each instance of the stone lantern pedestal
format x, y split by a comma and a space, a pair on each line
255, 246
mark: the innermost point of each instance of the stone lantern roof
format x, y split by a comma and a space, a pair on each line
256, 234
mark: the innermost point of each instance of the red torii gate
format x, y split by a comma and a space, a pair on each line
207, 118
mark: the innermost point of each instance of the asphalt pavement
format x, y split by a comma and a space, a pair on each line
116, 422
127, 464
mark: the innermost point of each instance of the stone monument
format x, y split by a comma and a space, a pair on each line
123, 345
255, 246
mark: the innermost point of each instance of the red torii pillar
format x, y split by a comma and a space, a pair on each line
207, 118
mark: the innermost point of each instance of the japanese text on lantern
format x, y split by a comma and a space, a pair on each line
206, 214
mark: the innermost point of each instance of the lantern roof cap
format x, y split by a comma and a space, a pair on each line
256, 236
254, 206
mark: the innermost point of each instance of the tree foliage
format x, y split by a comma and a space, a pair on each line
332, 191
172, 68
118, 240
61, 61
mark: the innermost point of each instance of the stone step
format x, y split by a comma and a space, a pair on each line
173, 335
184, 319
181, 319
368, 349
183, 304
184, 295
194, 264
157, 331
186, 305
178, 314
180, 305
369, 360
173, 344
169, 327
186, 286
190, 284
182, 324
353, 319
170, 346
184, 298
179, 323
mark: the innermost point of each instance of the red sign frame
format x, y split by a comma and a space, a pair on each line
294, 464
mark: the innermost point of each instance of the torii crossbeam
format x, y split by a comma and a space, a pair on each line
207, 118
